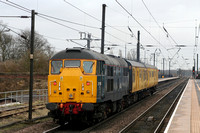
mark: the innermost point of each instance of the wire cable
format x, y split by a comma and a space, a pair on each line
94, 17
60, 24
28, 10
15, 6
22, 36
138, 22
40, 14
115, 37
162, 29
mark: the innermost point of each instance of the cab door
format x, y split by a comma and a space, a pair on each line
100, 80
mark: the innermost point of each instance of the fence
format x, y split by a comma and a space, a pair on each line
22, 96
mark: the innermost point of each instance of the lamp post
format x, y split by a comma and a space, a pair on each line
169, 65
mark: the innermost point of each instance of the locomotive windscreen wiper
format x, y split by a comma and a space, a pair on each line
91, 66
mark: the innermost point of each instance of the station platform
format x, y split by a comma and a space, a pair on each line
165, 79
186, 116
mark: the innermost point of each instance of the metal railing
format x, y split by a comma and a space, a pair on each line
22, 96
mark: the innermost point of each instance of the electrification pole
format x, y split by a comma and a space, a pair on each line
125, 51
163, 66
169, 66
194, 68
154, 59
88, 41
31, 63
103, 28
138, 47
197, 63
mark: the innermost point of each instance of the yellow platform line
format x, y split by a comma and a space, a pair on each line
197, 85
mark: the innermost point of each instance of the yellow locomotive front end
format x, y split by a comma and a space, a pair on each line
72, 85
72, 81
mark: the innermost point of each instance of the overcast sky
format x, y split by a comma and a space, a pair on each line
179, 17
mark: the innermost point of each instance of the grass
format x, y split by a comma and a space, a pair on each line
23, 125
24, 116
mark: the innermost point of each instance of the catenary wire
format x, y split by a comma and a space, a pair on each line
40, 14
95, 17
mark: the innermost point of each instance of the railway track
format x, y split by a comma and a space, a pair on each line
14, 116
15, 111
117, 122
153, 119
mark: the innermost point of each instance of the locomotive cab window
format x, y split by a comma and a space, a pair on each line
55, 67
72, 63
88, 66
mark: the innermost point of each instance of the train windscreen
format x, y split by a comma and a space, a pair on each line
55, 67
72, 63
88, 66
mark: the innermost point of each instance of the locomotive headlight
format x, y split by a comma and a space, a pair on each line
61, 105
54, 91
88, 91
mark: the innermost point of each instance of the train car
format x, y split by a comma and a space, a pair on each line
143, 79
88, 86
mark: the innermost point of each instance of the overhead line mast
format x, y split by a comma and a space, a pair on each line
103, 28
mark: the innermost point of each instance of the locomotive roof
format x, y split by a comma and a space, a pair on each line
136, 64
82, 53
150, 66
139, 64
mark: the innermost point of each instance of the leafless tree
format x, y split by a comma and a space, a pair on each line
16, 50
40, 44
6, 43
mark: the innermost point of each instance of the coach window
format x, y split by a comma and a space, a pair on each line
111, 71
55, 67
108, 71
88, 66
133, 76
147, 75
114, 71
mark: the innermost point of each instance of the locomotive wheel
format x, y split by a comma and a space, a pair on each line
119, 107
62, 121
104, 115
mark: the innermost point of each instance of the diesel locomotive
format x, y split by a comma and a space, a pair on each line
88, 86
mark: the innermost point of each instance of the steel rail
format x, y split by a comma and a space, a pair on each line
126, 128
21, 121
169, 110
20, 112
117, 114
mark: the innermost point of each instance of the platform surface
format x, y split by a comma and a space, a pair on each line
186, 116
164, 79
